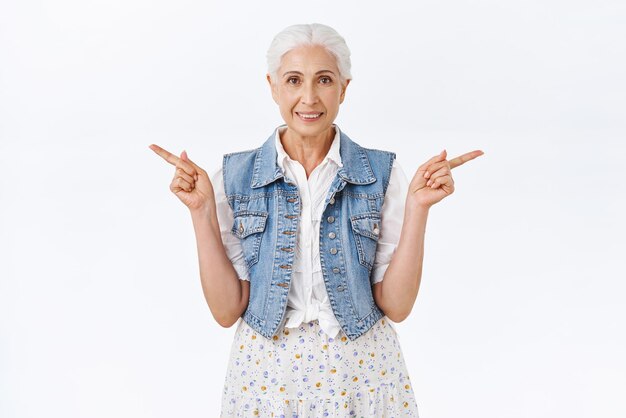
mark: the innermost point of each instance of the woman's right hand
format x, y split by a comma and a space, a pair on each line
191, 183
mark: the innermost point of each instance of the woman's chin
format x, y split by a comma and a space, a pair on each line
309, 131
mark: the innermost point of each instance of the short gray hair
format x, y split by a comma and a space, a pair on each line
309, 34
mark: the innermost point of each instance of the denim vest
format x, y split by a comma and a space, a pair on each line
266, 208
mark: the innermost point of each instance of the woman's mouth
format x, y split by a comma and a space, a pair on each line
309, 116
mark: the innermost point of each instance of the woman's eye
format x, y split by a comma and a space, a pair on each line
325, 80
292, 80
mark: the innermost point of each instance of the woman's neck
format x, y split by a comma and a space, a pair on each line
307, 150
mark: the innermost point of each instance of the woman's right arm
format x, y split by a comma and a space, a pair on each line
225, 293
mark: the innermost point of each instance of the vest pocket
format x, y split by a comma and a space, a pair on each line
366, 230
248, 226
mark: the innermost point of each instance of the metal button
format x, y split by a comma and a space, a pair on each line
330, 219
333, 251
282, 284
291, 199
341, 288
331, 235
240, 228
335, 269
376, 230
332, 200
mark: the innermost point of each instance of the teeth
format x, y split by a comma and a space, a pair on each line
317, 115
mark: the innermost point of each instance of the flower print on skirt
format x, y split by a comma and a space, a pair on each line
304, 373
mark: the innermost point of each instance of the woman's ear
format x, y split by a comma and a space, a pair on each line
272, 87
343, 91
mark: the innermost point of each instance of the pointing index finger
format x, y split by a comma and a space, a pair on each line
462, 159
166, 155
173, 159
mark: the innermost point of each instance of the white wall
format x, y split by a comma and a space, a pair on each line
520, 312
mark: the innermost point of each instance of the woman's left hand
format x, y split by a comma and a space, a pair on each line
433, 179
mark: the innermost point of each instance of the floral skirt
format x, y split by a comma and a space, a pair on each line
304, 373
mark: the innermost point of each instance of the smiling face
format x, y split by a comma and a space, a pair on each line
308, 90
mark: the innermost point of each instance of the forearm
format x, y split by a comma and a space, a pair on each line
402, 278
220, 283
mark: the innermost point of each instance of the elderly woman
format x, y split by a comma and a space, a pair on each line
313, 243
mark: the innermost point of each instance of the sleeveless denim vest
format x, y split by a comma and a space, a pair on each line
266, 207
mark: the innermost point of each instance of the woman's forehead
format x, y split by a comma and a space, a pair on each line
306, 59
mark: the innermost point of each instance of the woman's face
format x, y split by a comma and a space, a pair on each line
308, 90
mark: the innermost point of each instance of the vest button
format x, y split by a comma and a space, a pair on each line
330, 219
332, 235
240, 228
333, 251
282, 284
332, 200
340, 288
291, 199
335, 269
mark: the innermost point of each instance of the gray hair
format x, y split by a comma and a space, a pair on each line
309, 34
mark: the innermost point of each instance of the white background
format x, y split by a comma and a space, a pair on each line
520, 312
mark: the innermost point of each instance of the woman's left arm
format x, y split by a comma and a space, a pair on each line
395, 295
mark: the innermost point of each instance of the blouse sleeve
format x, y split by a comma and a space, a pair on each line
392, 217
225, 218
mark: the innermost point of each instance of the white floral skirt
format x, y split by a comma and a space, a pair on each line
304, 373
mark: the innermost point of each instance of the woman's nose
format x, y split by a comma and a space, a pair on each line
309, 94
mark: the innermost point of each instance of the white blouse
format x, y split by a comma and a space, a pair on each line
308, 299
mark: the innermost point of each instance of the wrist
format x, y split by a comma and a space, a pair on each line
418, 208
203, 211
